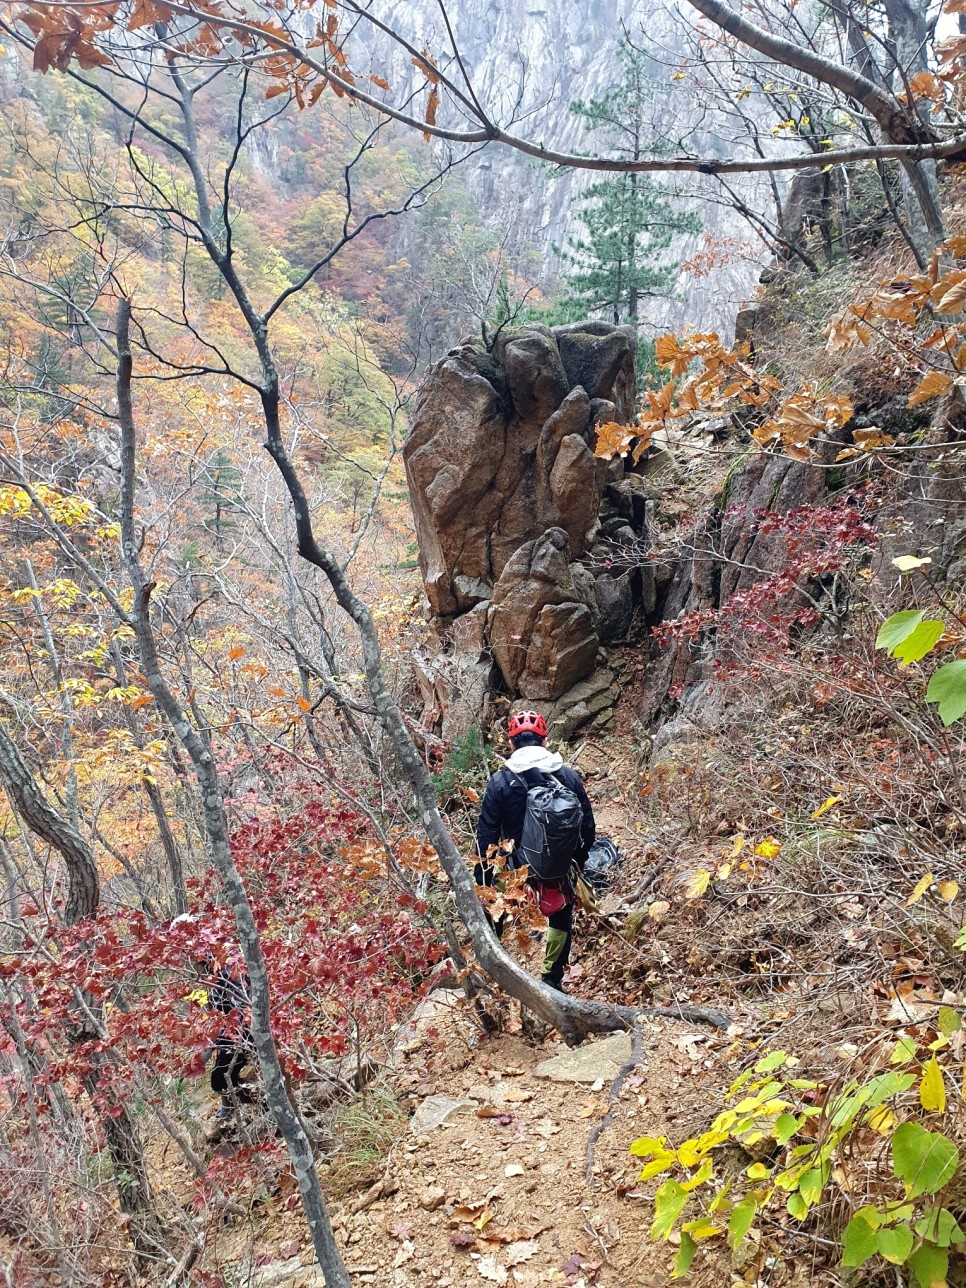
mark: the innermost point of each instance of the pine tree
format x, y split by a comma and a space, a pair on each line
221, 495
628, 220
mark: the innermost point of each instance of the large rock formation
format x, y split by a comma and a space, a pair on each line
501, 450
506, 493
542, 622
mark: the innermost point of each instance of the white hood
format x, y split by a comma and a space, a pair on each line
525, 758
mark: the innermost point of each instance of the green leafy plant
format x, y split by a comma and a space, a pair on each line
465, 769
803, 1138
909, 636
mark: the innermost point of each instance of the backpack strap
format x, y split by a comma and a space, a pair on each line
526, 786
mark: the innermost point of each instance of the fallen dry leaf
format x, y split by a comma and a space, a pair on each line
546, 1128
491, 1269
400, 1230
462, 1239
484, 1219
579, 1264
468, 1211
514, 1169
523, 1250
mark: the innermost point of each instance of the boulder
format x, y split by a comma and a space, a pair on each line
501, 449
541, 622
615, 606
591, 1062
595, 356
587, 701
562, 651
434, 1111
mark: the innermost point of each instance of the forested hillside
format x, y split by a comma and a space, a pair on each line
390, 393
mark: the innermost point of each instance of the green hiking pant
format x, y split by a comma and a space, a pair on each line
556, 949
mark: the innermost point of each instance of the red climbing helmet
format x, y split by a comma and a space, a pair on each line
527, 722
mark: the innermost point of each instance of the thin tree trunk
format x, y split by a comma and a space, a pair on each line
216, 823
170, 846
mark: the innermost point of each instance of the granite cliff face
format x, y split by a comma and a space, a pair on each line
527, 63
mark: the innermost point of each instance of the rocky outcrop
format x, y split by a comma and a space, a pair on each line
542, 622
501, 450
455, 681
729, 552
514, 528
591, 699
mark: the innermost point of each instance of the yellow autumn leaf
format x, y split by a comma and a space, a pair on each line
199, 995
698, 884
825, 807
932, 1089
484, 1219
948, 890
921, 887
769, 848
882, 1120
738, 844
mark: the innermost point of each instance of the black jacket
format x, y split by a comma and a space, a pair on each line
505, 806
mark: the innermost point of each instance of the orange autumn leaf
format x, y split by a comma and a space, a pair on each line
931, 385
953, 298
431, 107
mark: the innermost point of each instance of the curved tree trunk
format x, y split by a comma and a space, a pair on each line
897, 123
83, 887
574, 1018
83, 897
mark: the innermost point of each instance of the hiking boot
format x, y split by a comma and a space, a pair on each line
553, 983
224, 1113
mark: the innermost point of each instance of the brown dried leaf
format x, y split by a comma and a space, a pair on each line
953, 299
462, 1239
931, 385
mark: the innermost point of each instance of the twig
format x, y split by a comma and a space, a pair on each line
631, 1063
384, 1188
189, 1258
648, 882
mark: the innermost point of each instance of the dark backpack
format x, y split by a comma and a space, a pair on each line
600, 860
551, 828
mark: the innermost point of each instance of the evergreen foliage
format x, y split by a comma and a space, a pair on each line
626, 221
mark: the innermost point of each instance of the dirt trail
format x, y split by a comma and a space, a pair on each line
503, 1191
499, 1193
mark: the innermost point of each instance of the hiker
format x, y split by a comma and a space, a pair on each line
233, 1046
514, 810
